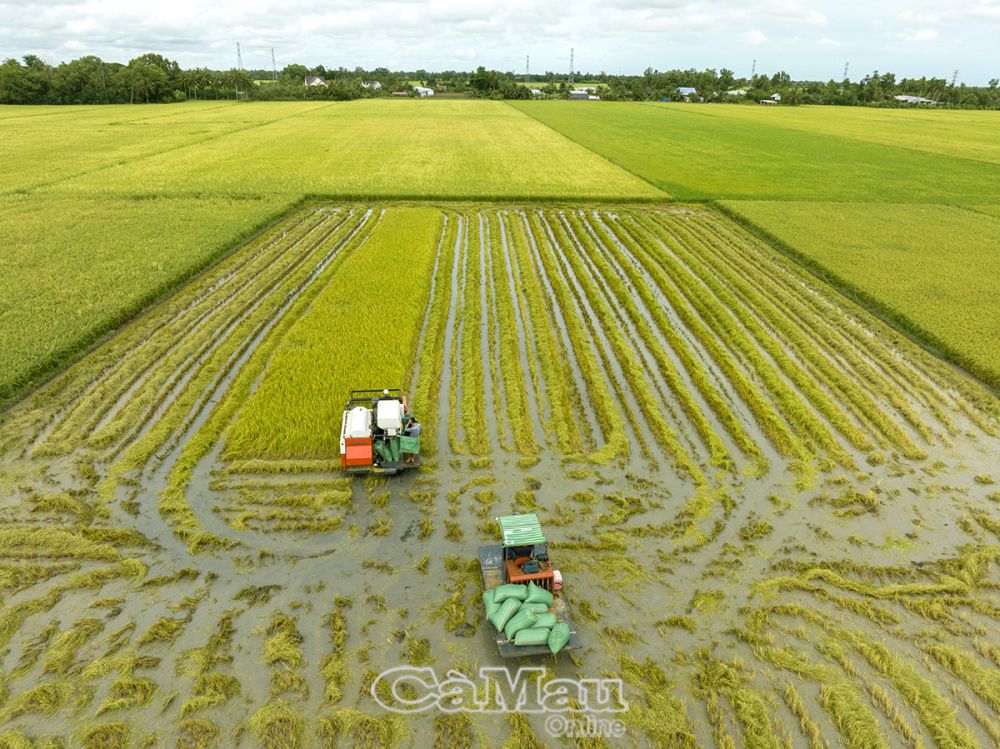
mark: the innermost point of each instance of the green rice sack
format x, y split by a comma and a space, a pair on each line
489, 603
504, 612
538, 608
558, 637
545, 620
511, 590
523, 619
531, 636
538, 594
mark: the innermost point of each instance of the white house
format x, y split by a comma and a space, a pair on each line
315, 80
373, 85
423, 92
736, 92
535, 92
908, 99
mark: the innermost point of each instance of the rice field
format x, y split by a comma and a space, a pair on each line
776, 516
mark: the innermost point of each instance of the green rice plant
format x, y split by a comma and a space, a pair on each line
908, 268
210, 690
291, 414
492, 352
764, 412
830, 325
936, 714
277, 726
426, 393
810, 730
510, 338
332, 666
454, 731
40, 332
168, 349
283, 642
718, 451
363, 730
173, 504
658, 713
164, 629
984, 682
197, 734
44, 699
852, 717
62, 653
471, 392
107, 736
608, 415
553, 361
127, 693
797, 337
742, 334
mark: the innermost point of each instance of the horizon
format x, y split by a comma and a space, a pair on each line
811, 41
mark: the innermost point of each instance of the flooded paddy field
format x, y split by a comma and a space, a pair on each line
777, 518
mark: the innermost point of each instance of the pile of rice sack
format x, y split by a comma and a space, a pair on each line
522, 613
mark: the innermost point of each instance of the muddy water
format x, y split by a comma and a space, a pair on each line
645, 587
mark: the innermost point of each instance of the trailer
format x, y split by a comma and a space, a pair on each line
521, 557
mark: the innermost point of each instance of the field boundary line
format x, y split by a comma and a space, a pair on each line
590, 150
866, 301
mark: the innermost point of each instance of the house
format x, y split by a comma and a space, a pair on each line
736, 92
399, 93
535, 92
423, 92
315, 80
768, 101
776, 97
688, 93
908, 99
580, 93
373, 85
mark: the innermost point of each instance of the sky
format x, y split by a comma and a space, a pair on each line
809, 40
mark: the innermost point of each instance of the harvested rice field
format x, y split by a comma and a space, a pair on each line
777, 518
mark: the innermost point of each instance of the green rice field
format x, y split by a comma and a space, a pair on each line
729, 394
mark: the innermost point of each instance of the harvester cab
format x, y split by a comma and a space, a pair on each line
374, 435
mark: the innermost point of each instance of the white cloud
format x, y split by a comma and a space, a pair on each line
905, 36
754, 37
918, 35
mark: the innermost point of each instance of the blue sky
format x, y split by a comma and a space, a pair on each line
810, 40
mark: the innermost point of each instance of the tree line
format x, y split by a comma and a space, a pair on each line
154, 78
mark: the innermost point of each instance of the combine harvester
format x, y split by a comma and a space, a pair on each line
373, 433
532, 608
